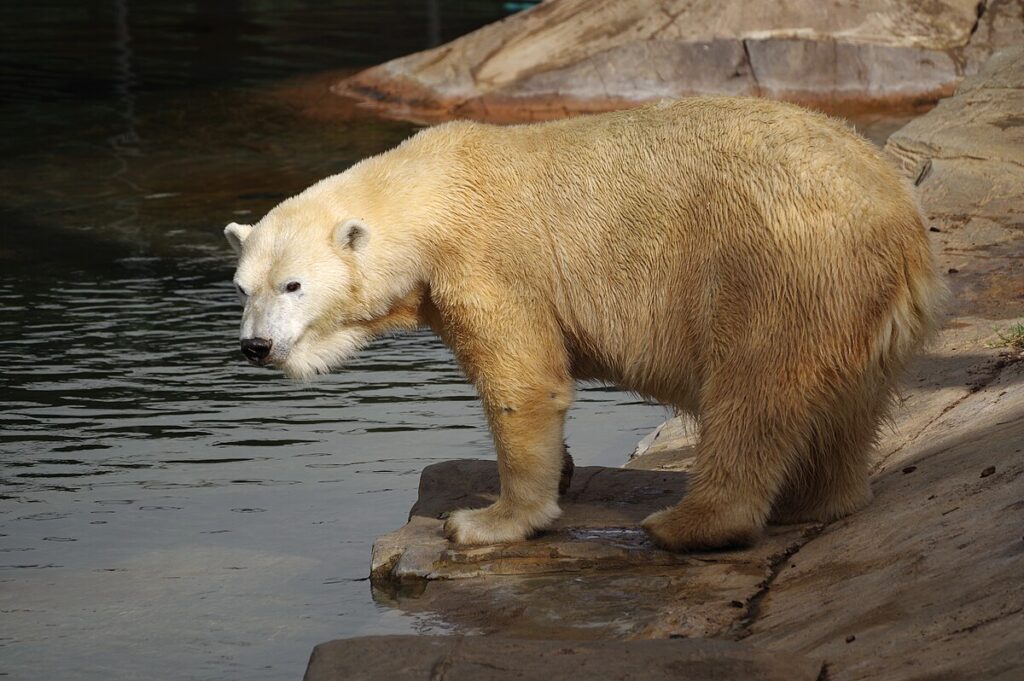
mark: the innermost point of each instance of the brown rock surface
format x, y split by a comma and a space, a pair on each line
967, 158
432, 658
927, 579
567, 56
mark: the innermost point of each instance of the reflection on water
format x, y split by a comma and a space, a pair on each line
149, 121
167, 511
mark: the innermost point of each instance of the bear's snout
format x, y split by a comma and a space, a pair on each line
256, 350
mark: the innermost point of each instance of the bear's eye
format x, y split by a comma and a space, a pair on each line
292, 286
241, 291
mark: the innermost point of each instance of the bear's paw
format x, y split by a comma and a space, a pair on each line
497, 524
685, 528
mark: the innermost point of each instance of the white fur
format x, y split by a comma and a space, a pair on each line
318, 327
236, 234
310, 358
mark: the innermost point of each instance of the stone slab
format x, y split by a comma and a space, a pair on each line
598, 529
594, 574
450, 658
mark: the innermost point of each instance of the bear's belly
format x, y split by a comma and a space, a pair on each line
676, 385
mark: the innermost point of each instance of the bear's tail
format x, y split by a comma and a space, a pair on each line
916, 311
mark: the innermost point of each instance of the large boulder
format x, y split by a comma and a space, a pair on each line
567, 56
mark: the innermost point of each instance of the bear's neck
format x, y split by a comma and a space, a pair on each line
414, 196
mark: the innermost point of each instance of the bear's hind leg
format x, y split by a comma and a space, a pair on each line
749, 442
832, 482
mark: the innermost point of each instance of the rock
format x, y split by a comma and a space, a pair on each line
673, 436
566, 56
1000, 25
967, 158
576, 580
928, 577
598, 528
427, 658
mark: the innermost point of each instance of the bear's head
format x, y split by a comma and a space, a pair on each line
317, 282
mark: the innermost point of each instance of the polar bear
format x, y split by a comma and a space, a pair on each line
751, 263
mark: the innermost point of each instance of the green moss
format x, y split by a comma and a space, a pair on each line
1012, 337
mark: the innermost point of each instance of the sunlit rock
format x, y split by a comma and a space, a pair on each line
568, 56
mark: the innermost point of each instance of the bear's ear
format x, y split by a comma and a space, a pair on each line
236, 234
351, 234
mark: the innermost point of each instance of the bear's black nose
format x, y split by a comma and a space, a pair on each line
256, 349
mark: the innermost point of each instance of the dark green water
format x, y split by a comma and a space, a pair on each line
168, 512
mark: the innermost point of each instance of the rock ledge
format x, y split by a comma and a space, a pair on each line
430, 658
569, 56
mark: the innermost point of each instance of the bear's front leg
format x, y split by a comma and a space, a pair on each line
527, 423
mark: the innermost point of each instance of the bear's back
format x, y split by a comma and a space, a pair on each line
680, 224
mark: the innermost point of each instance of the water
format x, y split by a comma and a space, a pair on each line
167, 511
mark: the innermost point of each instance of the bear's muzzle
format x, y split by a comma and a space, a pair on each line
256, 350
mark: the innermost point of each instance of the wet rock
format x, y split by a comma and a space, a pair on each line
598, 528
568, 56
594, 574
427, 658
